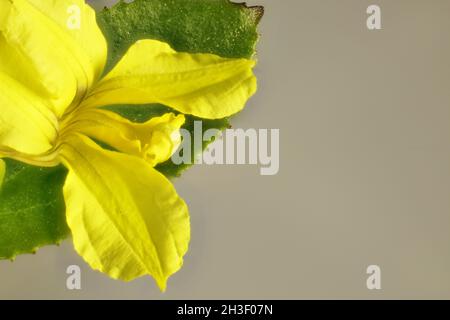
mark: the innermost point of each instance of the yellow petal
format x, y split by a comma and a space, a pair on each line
203, 85
38, 49
155, 140
26, 123
126, 218
78, 20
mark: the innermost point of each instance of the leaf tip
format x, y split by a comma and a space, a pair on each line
258, 13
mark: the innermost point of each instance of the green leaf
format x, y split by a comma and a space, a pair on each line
32, 211
196, 26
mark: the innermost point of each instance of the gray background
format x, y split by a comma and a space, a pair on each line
364, 179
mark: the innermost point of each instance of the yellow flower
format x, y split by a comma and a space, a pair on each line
126, 218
